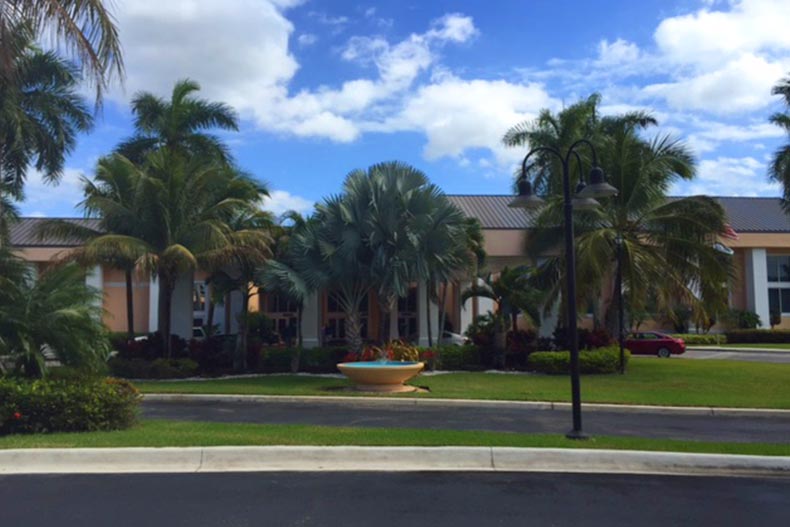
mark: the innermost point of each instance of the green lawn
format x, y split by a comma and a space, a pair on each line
675, 382
157, 433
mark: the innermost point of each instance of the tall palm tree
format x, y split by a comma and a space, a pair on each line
186, 207
779, 169
55, 313
667, 243
180, 124
41, 114
84, 28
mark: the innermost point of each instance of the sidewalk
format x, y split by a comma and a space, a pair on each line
725, 349
473, 403
388, 459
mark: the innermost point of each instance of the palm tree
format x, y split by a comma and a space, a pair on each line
83, 28
186, 207
41, 114
179, 124
236, 263
667, 244
779, 169
54, 313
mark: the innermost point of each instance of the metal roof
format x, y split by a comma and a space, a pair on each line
24, 233
745, 214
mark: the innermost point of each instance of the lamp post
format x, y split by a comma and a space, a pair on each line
585, 194
618, 241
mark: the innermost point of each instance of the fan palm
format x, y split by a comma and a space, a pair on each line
668, 251
513, 292
52, 314
779, 169
84, 28
179, 124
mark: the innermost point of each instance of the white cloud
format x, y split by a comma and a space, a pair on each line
453, 27
732, 176
306, 39
47, 199
617, 52
280, 201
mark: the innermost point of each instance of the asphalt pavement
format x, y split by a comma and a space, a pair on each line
745, 356
384, 499
501, 419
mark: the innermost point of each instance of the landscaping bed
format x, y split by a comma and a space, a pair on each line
648, 381
162, 433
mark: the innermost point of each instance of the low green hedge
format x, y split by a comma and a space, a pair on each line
757, 336
449, 357
705, 339
60, 405
152, 369
601, 360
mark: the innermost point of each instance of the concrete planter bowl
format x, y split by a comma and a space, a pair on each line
381, 376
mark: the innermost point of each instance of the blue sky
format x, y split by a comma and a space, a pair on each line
325, 87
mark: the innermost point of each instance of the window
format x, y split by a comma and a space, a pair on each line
199, 296
283, 314
407, 314
779, 300
778, 268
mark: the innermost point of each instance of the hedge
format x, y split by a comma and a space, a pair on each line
60, 405
155, 369
450, 357
602, 360
757, 336
696, 339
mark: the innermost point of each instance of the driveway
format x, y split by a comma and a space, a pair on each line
746, 356
384, 499
471, 417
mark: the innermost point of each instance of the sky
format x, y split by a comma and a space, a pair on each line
324, 87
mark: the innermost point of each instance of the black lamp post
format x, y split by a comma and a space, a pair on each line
584, 199
618, 241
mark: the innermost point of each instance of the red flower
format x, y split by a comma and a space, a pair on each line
17, 416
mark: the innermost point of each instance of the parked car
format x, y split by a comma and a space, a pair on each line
454, 339
654, 343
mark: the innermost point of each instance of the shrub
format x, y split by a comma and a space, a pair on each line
602, 360
521, 341
587, 339
741, 319
66, 406
757, 336
155, 369
262, 327
150, 348
321, 360
214, 355
450, 357
694, 339
276, 359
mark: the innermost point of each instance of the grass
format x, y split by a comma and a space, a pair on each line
162, 433
672, 382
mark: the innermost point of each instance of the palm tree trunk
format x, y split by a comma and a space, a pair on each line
428, 311
129, 303
297, 356
353, 331
442, 311
240, 361
165, 304
210, 314
514, 320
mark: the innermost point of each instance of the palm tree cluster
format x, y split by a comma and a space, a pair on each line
388, 229
177, 205
668, 243
779, 169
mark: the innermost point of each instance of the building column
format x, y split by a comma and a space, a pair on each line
94, 278
153, 305
757, 284
311, 321
422, 317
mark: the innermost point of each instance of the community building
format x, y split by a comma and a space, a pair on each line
760, 244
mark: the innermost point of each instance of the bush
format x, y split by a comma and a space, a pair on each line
602, 360
450, 357
150, 348
276, 359
66, 406
155, 369
740, 319
587, 339
757, 336
214, 355
521, 341
694, 339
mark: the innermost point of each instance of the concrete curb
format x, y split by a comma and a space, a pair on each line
468, 403
383, 459
758, 351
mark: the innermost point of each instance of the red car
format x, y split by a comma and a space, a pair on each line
654, 343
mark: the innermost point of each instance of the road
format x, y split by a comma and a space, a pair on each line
499, 419
390, 499
746, 356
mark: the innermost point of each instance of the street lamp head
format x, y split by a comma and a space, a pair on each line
598, 187
526, 198
580, 203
